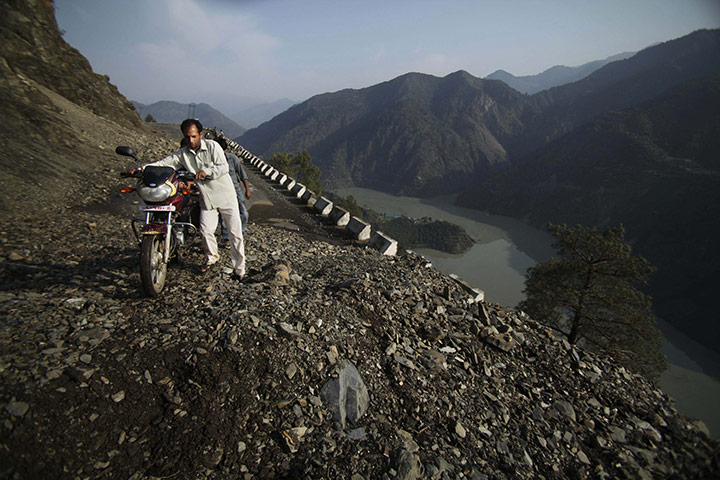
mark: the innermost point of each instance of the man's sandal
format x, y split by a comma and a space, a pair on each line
207, 267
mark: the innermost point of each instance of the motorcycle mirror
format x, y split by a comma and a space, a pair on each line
126, 151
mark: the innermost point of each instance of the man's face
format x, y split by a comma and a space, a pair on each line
192, 137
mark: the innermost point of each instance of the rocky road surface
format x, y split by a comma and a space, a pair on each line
221, 379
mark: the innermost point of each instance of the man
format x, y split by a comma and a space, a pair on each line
240, 180
206, 159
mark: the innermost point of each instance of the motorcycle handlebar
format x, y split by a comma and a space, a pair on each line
185, 176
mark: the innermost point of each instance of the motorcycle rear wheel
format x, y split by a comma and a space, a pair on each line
153, 270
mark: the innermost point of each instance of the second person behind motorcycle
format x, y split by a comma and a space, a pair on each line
206, 160
242, 187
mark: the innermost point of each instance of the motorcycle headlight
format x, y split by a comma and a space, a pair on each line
159, 193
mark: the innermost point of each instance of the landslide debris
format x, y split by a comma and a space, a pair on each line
220, 379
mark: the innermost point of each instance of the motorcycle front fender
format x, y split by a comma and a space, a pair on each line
159, 229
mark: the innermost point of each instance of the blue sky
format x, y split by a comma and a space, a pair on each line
235, 53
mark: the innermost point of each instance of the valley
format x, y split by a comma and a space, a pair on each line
497, 264
635, 142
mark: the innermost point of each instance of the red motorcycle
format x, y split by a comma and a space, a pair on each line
171, 213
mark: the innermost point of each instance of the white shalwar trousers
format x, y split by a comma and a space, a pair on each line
231, 218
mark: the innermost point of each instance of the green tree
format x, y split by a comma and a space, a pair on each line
281, 161
591, 294
306, 171
149, 118
349, 203
299, 166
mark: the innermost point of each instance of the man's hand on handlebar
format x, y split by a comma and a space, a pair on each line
132, 172
187, 185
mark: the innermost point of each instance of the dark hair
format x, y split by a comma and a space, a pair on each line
189, 122
222, 142
183, 143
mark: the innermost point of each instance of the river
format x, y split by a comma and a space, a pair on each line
497, 264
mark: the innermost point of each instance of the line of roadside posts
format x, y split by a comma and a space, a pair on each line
357, 228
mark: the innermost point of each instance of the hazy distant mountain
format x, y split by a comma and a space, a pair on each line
257, 114
174, 112
554, 76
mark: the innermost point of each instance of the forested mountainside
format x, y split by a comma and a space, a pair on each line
166, 111
554, 76
621, 85
656, 169
419, 134
413, 133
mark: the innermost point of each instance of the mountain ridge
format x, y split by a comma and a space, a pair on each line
168, 111
257, 114
476, 124
364, 121
554, 76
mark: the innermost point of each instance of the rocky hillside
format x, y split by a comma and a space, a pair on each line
32, 48
330, 361
62, 121
217, 379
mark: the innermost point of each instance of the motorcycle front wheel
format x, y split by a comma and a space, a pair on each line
153, 269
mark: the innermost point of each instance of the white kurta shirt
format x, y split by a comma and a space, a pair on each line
217, 190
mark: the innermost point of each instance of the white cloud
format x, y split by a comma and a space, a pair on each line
203, 53
219, 30
190, 24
